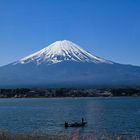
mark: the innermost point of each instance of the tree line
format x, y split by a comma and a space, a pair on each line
62, 92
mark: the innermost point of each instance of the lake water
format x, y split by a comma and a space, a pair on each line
119, 115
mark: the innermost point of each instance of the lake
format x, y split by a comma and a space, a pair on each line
119, 115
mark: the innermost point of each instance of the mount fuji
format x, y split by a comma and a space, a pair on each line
61, 51
65, 64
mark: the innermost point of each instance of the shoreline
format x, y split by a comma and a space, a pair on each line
6, 135
70, 97
74, 93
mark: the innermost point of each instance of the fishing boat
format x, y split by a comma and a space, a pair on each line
75, 124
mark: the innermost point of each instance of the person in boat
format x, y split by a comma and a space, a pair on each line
66, 124
82, 120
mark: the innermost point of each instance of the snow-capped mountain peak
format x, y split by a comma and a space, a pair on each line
62, 51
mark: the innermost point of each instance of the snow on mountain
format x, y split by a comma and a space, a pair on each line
65, 64
62, 51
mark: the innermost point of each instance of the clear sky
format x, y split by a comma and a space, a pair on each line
108, 28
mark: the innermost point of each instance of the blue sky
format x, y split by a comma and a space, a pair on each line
108, 28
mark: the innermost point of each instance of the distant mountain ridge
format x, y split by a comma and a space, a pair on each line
65, 64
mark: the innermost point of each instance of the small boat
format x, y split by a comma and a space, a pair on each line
76, 124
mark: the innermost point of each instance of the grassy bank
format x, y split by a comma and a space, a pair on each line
36, 136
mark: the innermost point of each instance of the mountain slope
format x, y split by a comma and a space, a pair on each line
61, 51
65, 64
